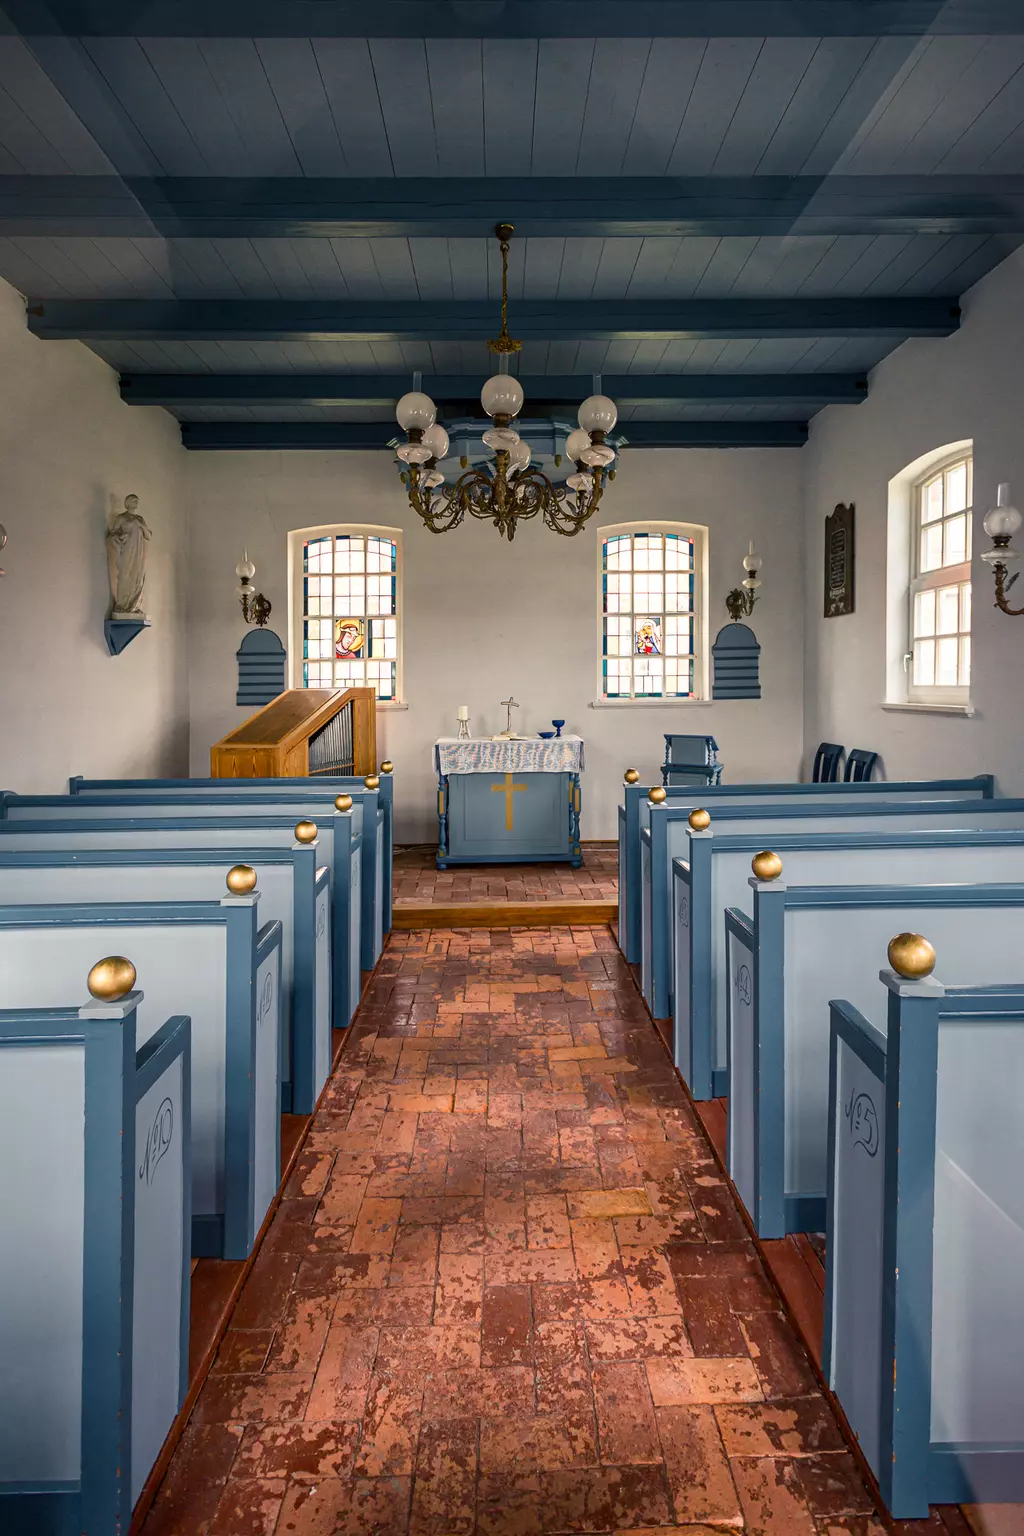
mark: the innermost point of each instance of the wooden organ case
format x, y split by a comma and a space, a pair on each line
300, 734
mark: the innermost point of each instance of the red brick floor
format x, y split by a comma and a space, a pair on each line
418, 880
508, 1291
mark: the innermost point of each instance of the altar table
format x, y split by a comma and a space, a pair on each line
509, 800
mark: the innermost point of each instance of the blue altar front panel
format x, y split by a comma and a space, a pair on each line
491, 818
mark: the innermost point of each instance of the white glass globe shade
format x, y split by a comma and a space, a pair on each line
436, 439
245, 570
580, 481
598, 414
519, 457
502, 395
501, 437
598, 455
576, 444
415, 410
1002, 522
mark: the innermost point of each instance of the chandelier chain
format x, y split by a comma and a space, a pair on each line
503, 342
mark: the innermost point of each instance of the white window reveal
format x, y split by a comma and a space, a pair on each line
350, 618
939, 649
651, 594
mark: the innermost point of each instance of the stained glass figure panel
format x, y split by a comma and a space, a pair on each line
351, 624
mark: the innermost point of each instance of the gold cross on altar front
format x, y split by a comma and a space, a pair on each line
508, 789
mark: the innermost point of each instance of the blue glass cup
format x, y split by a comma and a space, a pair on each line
558, 726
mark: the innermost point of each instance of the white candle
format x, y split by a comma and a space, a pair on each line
463, 711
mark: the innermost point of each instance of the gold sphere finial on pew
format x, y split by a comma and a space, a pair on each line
700, 819
241, 879
657, 794
911, 956
372, 781
387, 766
343, 803
766, 865
111, 978
305, 831
631, 776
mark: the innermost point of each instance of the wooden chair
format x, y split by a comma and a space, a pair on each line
826, 763
860, 765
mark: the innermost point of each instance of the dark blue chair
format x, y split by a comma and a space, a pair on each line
826, 763
860, 765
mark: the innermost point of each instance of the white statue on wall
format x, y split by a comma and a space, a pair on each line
127, 537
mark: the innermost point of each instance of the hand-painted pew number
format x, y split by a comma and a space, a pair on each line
266, 998
743, 987
863, 1122
161, 1134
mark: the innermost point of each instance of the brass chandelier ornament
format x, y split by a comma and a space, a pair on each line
507, 491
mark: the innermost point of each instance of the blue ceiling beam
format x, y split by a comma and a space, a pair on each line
474, 320
350, 436
181, 390
246, 208
513, 18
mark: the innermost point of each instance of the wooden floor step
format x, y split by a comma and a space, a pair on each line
502, 914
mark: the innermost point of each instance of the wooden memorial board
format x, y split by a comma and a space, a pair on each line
839, 593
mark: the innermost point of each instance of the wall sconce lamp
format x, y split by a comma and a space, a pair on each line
255, 607
740, 601
1001, 523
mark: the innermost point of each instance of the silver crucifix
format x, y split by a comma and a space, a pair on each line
509, 704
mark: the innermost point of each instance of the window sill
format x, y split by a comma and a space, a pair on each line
391, 704
649, 704
930, 709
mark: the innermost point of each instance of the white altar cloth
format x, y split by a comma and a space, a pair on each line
518, 754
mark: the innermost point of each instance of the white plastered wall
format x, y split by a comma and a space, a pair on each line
927, 394
483, 618
70, 451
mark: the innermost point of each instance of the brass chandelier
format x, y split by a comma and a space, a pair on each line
507, 490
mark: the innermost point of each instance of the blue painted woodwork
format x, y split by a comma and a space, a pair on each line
340, 784
211, 954
472, 320
501, 818
735, 659
230, 800
261, 667
715, 876
939, 1424
637, 809
221, 436
95, 1264
860, 764
804, 944
120, 633
222, 207
691, 760
180, 390
826, 763
521, 19
292, 891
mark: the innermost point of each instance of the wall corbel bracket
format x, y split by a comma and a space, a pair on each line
121, 632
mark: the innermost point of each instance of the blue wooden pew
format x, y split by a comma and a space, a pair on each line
292, 891
669, 836
316, 804
94, 1262
321, 783
210, 960
634, 814
924, 1306
716, 876
338, 847
803, 946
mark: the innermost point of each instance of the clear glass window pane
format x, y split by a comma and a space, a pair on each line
956, 488
965, 661
931, 501
965, 607
947, 610
924, 614
955, 552
924, 664
947, 662
931, 547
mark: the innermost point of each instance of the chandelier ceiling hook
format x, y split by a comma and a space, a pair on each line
503, 343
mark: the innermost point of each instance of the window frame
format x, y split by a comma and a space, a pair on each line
297, 540
943, 576
698, 534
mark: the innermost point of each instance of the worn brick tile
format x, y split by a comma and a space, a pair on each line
377, 1506
526, 1268
604, 1498
444, 1490
637, 1338
189, 1495
507, 1337
625, 1415
697, 1465
402, 1351
702, 1381
771, 1500
244, 1349
376, 1226
341, 1199
343, 1375
273, 1395
310, 1173
332, 1273
797, 1428
713, 1326
547, 1222
779, 1358
301, 1335
414, 1256
505, 1392
509, 1506
248, 1507
264, 1297
832, 1484
460, 1286
303, 1451
391, 1427
609, 1202
649, 1281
